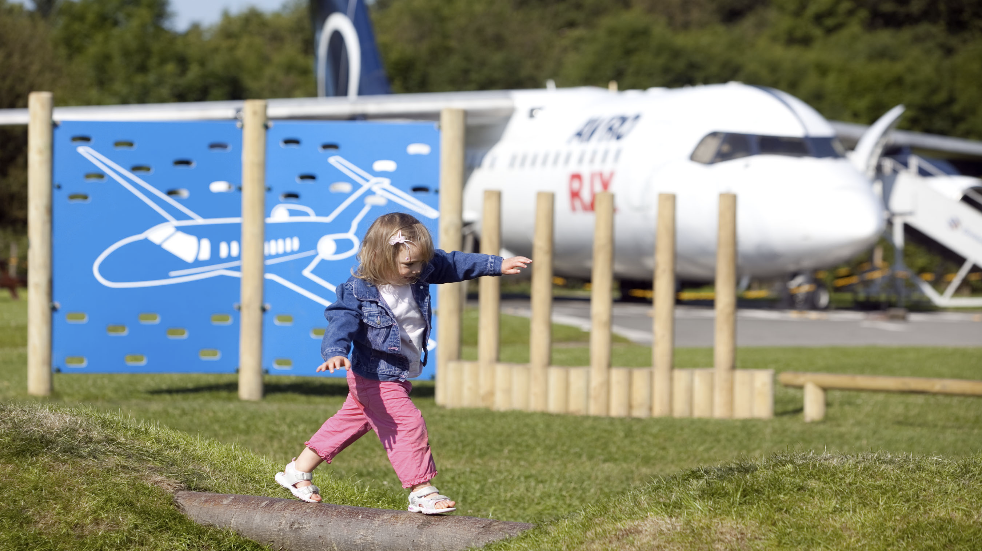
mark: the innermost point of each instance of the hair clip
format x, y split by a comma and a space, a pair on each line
398, 239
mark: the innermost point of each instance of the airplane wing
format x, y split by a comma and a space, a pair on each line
481, 107
932, 144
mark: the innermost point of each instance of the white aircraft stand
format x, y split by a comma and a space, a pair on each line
911, 200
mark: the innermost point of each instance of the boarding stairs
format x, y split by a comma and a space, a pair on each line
920, 195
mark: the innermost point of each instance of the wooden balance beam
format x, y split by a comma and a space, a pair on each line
815, 385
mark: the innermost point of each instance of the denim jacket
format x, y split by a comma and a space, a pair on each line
360, 318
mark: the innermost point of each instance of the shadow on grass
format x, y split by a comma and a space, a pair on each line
312, 388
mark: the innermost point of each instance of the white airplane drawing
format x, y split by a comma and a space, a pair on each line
196, 248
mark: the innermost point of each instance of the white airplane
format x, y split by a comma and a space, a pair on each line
801, 203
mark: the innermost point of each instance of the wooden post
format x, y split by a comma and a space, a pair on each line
764, 394
578, 402
558, 384
488, 337
702, 392
743, 394
40, 133
601, 302
663, 349
682, 380
520, 387
253, 259
540, 345
502, 386
814, 402
724, 350
619, 404
452, 128
640, 393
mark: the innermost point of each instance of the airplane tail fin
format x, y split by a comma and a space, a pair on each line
346, 57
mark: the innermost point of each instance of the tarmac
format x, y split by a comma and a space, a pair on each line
695, 325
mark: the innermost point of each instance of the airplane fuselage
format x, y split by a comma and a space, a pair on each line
800, 203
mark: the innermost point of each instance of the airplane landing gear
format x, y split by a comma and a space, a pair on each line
804, 293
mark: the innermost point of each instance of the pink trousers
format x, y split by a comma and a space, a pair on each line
384, 407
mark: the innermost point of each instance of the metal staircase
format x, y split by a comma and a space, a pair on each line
942, 206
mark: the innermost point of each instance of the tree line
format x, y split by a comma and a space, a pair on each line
850, 59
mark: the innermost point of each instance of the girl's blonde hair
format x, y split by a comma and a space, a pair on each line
378, 260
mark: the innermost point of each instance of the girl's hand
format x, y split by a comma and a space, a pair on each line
514, 265
337, 362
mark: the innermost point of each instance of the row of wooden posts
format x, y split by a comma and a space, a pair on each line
538, 386
600, 389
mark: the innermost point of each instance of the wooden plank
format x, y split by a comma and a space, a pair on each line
836, 381
682, 392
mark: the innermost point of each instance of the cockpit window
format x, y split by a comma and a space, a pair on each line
780, 145
734, 146
706, 149
719, 147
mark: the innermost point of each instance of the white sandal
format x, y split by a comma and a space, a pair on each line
421, 502
291, 476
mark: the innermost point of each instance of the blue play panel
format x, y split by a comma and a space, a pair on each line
147, 230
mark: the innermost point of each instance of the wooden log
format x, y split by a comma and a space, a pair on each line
682, 381
520, 387
814, 402
452, 130
289, 524
663, 347
619, 404
502, 386
743, 394
641, 392
455, 382
558, 383
488, 339
540, 345
836, 381
702, 392
764, 393
601, 303
40, 134
579, 390
724, 348
251, 306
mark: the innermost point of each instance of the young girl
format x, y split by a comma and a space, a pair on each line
383, 313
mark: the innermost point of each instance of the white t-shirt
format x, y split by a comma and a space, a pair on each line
400, 300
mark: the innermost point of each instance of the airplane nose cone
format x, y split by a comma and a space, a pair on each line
850, 218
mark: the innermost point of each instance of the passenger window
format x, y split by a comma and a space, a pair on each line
781, 145
706, 149
734, 146
532, 162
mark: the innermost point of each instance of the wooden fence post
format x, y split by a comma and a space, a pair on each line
601, 303
253, 260
540, 345
488, 338
663, 349
452, 129
724, 348
40, 133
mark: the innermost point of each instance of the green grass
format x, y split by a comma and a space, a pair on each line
589, 482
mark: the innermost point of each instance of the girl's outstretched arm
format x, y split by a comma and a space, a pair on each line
514, 265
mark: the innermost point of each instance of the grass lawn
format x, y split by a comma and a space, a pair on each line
682, 479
